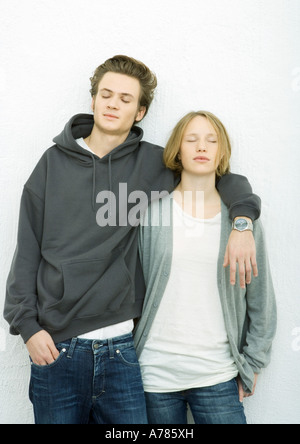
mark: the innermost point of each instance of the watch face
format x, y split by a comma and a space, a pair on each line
241, 224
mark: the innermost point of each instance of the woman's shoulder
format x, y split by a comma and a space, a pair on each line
159, 211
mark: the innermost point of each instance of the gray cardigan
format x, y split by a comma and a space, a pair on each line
250, 315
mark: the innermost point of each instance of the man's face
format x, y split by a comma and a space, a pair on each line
117, 104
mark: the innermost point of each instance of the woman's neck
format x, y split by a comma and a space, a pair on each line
198, 195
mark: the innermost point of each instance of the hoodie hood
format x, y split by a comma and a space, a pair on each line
81, 125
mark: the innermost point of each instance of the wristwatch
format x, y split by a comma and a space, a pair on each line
242, 224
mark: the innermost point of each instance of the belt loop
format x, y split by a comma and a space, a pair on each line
111, 349
72, 348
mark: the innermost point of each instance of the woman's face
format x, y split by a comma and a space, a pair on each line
199, 147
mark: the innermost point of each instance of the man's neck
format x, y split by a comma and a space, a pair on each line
102, 144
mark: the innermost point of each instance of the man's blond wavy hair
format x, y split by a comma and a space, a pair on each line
128, 66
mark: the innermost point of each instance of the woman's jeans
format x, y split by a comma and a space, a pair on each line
219, 404
91, 382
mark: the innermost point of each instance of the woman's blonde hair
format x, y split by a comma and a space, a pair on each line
172, 150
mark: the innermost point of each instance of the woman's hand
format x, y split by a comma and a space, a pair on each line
242, 394
241, 250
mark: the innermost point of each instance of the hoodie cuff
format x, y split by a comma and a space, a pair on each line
28, 328
253, 212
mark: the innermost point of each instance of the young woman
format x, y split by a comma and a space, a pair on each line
201, 341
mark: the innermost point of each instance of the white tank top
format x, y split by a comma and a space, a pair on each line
188, 345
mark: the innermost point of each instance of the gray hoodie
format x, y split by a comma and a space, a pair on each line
69, 275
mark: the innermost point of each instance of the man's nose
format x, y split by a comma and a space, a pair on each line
112, 103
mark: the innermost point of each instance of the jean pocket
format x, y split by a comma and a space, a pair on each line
53, 364
128, 356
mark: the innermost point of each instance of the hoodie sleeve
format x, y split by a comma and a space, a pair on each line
20, 309
236, 193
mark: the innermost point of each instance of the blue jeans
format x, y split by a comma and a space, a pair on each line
219, 404
91, 382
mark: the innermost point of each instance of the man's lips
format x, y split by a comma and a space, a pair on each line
110, 116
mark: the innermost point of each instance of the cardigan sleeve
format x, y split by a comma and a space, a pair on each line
261, 309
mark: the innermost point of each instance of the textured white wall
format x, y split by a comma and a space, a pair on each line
237, 58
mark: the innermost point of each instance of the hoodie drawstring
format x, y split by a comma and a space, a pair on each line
110, 183
94, 183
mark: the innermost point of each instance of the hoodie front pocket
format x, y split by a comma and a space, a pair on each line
93, 288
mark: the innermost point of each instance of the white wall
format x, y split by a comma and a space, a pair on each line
237, 58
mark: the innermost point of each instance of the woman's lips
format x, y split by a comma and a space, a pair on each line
201, 159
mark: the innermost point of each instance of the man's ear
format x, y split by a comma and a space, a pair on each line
140, 115
93, 104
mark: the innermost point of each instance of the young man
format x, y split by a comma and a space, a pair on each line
76, 282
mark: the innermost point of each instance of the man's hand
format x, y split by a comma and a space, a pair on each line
242, 394
42, 349
241, 250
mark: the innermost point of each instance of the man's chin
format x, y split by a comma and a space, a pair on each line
110, 128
